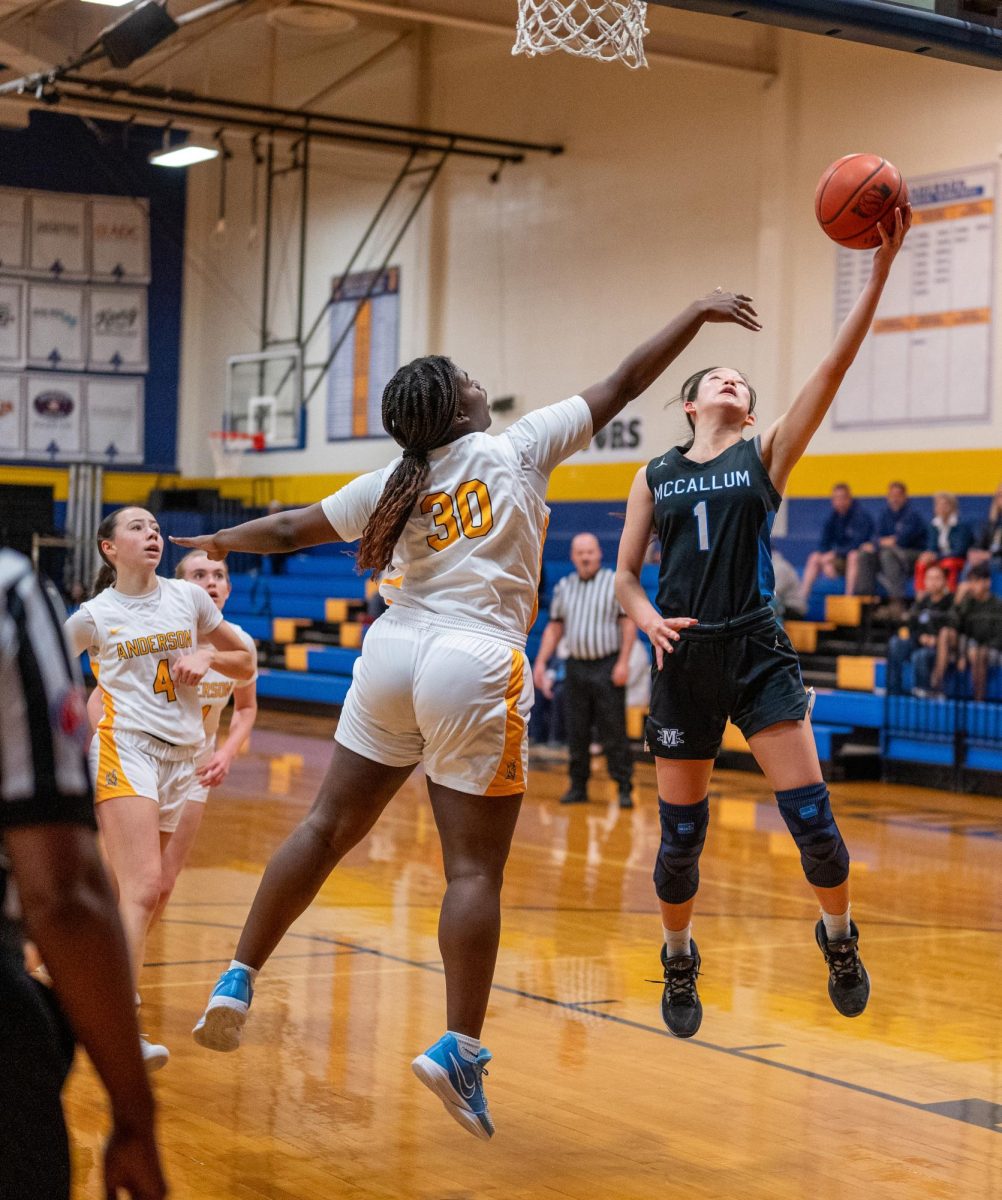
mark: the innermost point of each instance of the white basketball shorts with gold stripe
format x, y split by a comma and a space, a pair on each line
127, 763
454, 695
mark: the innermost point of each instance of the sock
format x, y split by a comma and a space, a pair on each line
252, 971
837, 926
677, 940
469, 1047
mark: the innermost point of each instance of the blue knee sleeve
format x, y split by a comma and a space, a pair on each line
808, 815
683, 831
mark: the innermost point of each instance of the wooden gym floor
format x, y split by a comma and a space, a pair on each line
778, 1096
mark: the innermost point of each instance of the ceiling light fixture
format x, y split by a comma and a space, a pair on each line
185, 155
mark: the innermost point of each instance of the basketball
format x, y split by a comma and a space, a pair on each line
854, 195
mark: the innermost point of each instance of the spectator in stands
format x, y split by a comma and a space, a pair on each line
972, 635
786, 598
847, 527
599, 635
892, 554
988, 544
948, 540
916, 641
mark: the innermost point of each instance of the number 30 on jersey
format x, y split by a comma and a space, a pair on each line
468, 513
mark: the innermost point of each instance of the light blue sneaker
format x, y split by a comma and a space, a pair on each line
458, 1083
220, 1026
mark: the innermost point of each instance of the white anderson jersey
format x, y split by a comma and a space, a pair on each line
215, 690
472, 547
134, 642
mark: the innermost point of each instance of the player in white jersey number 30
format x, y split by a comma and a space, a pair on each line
457, 524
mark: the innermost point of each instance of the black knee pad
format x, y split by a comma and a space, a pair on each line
683, 832
808, 815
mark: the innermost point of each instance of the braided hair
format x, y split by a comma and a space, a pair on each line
689, 392
420, 407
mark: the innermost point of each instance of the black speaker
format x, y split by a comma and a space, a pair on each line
137, 33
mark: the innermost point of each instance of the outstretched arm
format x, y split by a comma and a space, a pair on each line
294, 529
662, 631
786, 440
636, 373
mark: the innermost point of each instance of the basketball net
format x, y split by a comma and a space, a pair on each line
228, 448
585, 28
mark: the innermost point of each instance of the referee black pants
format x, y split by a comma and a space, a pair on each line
594, 704
36, 1050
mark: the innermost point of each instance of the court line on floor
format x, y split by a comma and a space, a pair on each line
985, 1114
871, 922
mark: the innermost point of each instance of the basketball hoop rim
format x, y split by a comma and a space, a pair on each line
255, 441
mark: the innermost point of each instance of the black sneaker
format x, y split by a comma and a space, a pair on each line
681, 1010
848, 982
626, 798
574, 796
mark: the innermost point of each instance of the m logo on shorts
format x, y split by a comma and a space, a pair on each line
111, 779
671, 738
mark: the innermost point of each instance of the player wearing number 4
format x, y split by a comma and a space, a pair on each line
458, 523
147, 639
711, 503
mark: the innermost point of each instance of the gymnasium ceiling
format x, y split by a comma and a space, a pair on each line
232, 53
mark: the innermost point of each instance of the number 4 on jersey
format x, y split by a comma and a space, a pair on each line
164, 684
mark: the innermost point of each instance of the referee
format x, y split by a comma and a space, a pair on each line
598, 636
47, 846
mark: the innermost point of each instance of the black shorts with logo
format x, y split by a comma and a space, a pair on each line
744, 670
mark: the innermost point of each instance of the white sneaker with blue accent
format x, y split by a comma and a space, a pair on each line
221, 1025
458, 1083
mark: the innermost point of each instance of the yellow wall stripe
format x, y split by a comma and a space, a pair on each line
969, 472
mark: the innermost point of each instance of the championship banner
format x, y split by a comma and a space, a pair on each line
58, 236
117, 329
56, 327
13, 221
120, 239
11, 417
55, 417
11, 324
114, 409
365, 327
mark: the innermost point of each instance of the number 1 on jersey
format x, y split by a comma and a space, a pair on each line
702, 525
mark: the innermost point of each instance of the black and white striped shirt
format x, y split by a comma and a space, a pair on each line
590, 614
43, 769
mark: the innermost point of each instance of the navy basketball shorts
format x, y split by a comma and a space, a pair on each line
744, 670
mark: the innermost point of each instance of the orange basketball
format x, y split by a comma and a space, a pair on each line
856, 194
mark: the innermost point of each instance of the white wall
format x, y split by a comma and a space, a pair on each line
675, 180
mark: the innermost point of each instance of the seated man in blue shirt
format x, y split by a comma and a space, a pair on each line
847, 527
901, 538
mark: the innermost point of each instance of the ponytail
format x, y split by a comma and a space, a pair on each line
420, 407
106, 574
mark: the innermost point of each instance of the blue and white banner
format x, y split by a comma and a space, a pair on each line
120, 239
56, 327
113, 413
59, 229
11, 416
54, 417
13, 229
116, 321
11, 324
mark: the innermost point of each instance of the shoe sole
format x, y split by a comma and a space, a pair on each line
156, 1062
436, 1079
221, 1026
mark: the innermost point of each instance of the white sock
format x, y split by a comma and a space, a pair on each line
469, 1047
837, 927
244, 967
677, 940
